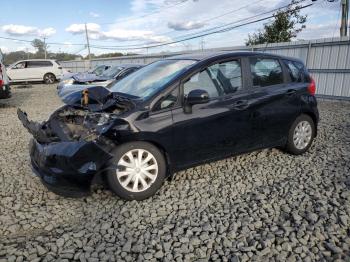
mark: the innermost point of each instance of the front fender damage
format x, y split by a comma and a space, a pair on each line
71, 148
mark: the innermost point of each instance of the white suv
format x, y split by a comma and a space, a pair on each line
35, 70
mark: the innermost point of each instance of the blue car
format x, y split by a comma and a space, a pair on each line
84, 81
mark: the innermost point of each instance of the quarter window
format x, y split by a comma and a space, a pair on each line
266, 72
168, 101
295, 70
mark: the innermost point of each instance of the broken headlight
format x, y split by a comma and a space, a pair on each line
68, 81
103, 119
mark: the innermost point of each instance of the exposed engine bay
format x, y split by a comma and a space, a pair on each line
85, 117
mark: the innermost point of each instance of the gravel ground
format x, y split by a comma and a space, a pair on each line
261, 206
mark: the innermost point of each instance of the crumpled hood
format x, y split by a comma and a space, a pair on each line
99, 99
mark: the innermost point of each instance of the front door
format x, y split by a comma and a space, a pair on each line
216, 129
17, 72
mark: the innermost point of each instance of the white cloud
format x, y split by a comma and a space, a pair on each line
96, 33
150, 20
4, 49
22, 30
25, 48
47, 32
94, 15
80, 28
131, 35
183, 26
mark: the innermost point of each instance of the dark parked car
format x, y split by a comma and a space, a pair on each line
173, 114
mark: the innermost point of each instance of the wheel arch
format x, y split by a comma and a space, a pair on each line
313, 117
49, 73
162, 149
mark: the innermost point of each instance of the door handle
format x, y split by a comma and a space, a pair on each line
241, 104
290, 92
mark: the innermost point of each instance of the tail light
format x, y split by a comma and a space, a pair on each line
312, 87
1, 83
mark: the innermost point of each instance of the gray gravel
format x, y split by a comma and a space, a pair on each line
265, 205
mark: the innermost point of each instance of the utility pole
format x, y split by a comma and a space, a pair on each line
45, 47
202, 43
88, 45
344, 17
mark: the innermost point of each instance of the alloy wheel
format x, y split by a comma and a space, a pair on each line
49, 79
137, 170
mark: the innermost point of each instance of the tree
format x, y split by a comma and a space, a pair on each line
12, 57
40, 46
285, 26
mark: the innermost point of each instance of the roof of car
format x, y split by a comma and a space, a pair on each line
127, 65
38, 60
130, 65
207, 55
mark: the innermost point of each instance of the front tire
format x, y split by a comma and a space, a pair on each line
49, 78
301, 135
139, 173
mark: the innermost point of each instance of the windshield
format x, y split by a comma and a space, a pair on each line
111, 72
146, 81
99, 70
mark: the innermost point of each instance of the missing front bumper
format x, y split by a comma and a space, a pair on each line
68, 168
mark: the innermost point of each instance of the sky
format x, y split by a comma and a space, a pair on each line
115, 26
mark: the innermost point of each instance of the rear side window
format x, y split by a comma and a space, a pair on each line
32, 64
295, 70
266, 72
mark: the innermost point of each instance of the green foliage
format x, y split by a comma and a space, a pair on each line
39, 45
10, 58
285, 26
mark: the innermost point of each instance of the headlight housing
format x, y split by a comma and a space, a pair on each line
68, 81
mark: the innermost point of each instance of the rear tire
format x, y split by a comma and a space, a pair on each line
301, 135
140, 171
49, 78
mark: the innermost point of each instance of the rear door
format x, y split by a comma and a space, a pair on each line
37, 69
222, 126
276, 101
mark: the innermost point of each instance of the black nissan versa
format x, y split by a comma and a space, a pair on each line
170, 115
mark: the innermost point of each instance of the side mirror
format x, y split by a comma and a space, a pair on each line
197, 96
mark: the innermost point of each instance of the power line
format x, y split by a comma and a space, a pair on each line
112, 46
203, 31
206, 34
190, 35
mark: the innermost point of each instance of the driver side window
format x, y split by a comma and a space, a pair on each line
203, 81
20, 65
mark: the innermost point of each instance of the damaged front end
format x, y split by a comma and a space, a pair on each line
75, 144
